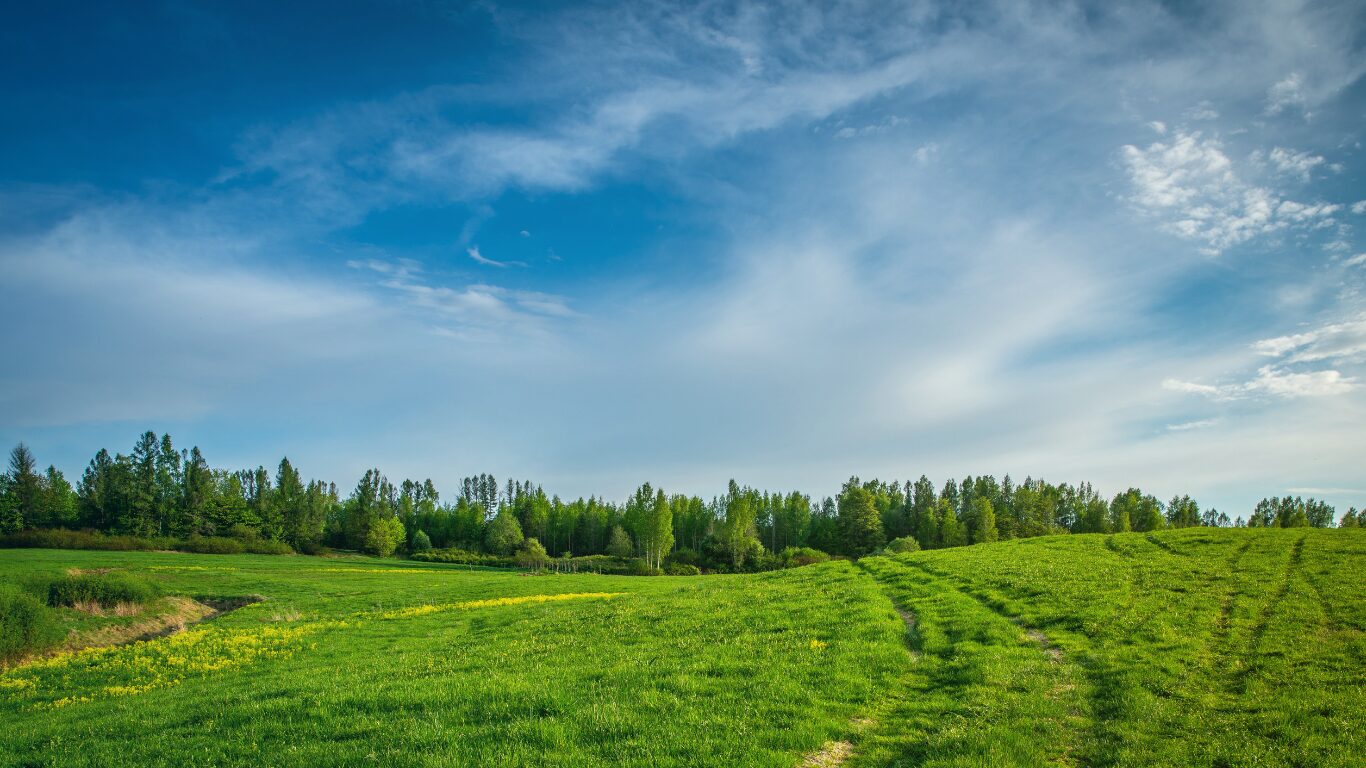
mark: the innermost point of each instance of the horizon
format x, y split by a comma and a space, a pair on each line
594, 247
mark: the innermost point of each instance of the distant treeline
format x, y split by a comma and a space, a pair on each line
156, 491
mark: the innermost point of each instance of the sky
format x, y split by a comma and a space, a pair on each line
604, 243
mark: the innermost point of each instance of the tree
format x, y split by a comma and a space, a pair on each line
657, 531
504, 534
59, 500
860, 525
1350, 519
984, 518
196, 495
384, 536
139, 515
951, 532
23, 504
619, 544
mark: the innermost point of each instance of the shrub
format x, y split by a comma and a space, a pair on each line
26, 625
268, 547
421, 542
796, 557
104, 589
463, 557
903, 544
682, 569
532, 555
638, 567
313, 548
60, 538
686, 556
213, 545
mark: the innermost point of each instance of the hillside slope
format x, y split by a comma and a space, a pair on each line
1186, 648
1199, 647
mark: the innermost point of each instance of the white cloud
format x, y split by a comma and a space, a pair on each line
1192, 187
1360, 258
1292, 163
1186, 426
1359, 207
1337, 341
1202, 111
1285, 94
1159, 127
473, 252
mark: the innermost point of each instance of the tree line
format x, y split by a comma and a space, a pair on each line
157, 491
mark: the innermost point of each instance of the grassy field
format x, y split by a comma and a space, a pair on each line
1195, 647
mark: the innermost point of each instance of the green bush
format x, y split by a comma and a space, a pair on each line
26, 625
421, 541
796, 557
682, 569
60, 538
463, 557
213, 545
104, 589
532, 555
903, 544
268, 547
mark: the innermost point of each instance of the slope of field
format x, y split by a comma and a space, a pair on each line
389, 663
1185, 648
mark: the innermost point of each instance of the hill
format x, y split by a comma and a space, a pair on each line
1192, 647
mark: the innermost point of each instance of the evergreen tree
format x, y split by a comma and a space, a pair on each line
23, 505
619, 544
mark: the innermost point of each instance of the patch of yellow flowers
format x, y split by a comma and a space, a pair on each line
423, 610
148, 665
145, 666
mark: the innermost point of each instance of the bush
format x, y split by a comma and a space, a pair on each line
462, 557
313, 548
26, 625
60, 538
105, 589
268, 547
421, 542
903, 544
682, 569
532, 555
796, 557
638, 567
213, 545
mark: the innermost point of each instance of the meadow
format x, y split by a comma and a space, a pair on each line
1196, 647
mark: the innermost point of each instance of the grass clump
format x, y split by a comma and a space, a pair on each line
106, 590
26, 625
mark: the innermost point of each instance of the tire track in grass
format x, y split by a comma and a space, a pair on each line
1060, 664
1254, 646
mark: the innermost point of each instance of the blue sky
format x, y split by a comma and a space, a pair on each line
608, 243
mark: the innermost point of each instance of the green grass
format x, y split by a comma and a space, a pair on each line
1187, 648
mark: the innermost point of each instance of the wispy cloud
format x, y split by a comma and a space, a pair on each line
479, 258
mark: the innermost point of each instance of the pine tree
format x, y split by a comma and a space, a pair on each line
24, 500
619, 543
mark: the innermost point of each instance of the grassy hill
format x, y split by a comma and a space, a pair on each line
1194, 647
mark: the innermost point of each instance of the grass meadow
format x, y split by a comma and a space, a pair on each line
1197, 647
